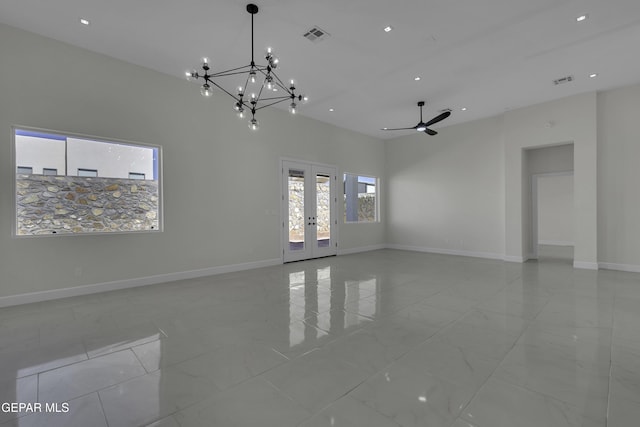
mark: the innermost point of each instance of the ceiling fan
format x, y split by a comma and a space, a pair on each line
424, 127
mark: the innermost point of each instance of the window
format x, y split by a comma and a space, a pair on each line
135, 175
360, 198
87, 172
25, 170
59, 190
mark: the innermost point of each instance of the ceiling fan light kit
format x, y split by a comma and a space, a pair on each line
424, 127
261, 83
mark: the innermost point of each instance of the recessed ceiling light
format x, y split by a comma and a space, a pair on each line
385, 128
464, 109
592, 75
331, 110
84, 21
582, 18
388, 28
417, 78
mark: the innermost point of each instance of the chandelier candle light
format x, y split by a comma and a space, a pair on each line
251, 96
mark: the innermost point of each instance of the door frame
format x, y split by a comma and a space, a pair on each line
284, 214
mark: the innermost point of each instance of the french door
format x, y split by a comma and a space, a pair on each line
309, 210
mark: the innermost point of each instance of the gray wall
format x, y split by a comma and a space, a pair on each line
555, 210
558, 158
208, 221
466, 190
619, 177
446, 192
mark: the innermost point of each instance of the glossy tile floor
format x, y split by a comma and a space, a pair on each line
380, 339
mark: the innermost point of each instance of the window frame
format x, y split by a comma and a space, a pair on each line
94, 138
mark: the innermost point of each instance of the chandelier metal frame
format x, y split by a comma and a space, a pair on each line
258, 99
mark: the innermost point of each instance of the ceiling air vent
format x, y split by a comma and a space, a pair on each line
563, 80
316, 34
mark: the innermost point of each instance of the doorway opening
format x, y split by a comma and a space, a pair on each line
551, 212
552, 217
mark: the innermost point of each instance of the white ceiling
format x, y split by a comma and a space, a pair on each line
486, 55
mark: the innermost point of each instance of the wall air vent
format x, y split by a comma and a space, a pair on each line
316, 34
563, 80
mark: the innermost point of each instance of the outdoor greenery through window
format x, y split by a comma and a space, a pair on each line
360, 198
68, 184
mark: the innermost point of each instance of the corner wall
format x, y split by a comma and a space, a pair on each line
464, 191
446, 192
619, 178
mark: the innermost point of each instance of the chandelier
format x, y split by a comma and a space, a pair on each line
262, 87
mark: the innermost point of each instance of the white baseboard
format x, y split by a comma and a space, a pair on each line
555, 243
361, 249
32, 297
486, 255
130, 283
585, 265
620, 267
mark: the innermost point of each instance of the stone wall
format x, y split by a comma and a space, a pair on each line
366, 207
72, 204
296, 211
324, 210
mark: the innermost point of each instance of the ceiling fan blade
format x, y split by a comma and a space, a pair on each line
413, 128
430, 132
439, 118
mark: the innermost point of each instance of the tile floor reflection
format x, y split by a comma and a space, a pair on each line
385, 338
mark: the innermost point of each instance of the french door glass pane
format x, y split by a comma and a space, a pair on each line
323, 209
296, 209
